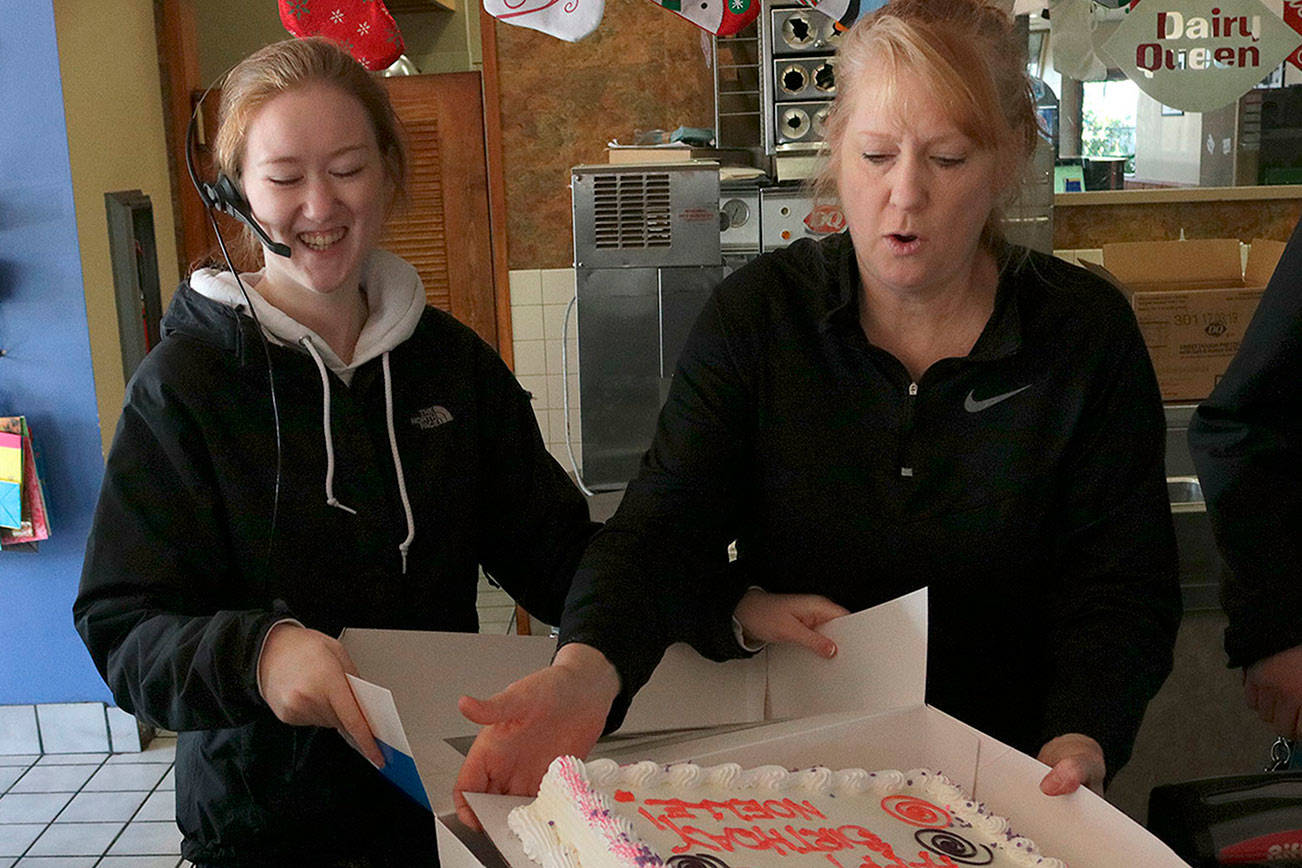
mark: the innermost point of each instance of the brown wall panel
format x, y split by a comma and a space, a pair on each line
643, 68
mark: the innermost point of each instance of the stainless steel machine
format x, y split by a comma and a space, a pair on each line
646, 257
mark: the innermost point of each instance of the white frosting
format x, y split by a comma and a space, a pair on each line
601, 815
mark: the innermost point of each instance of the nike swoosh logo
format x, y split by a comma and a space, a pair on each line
974, 406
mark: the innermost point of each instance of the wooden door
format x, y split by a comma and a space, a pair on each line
443, 228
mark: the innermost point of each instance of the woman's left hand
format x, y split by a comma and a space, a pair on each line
1076, 759
790, 618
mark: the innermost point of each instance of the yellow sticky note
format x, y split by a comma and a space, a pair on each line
11, 458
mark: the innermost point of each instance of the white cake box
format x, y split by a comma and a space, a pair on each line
785, 706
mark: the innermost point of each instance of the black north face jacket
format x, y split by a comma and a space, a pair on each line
200, 543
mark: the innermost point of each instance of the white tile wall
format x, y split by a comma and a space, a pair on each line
64, 731
124, 732
18, 731
539, 299
73, 727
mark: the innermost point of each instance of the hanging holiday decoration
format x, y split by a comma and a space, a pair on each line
364, 28
1074, 48
720, 17
1293, 18
1199, 56
570, 20
844, 12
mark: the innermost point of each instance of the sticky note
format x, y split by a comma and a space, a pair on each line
11, 458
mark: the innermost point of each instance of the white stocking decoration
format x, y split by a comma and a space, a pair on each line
570, 20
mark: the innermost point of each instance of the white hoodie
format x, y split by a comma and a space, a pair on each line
395, 297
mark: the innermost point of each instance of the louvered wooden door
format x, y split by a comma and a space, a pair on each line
442, 227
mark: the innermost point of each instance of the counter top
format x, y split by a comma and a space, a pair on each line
1158, 196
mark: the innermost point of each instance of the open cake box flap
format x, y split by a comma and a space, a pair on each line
411, 680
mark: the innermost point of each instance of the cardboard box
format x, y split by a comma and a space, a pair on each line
865, 709
676, 152
1193, 300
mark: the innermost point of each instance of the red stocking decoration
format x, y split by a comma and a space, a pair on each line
364, 28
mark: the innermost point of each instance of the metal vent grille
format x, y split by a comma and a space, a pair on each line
632, 211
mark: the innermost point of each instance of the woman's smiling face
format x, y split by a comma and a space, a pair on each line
315, 179
916, 190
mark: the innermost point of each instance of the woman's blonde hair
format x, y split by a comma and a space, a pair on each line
966, 54
284, 66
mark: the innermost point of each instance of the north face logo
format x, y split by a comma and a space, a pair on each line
431, 417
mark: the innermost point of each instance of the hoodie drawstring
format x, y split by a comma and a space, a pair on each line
397, 463
331, 500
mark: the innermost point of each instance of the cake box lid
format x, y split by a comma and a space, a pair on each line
411, 680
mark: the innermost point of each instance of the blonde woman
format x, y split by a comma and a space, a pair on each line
913, 403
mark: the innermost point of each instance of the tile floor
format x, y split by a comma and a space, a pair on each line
90, 810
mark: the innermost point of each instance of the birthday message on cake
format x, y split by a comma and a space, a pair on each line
787, 827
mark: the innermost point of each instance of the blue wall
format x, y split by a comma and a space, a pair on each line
46, 371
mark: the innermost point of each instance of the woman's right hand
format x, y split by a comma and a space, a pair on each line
301, 675
792, 618
555, 711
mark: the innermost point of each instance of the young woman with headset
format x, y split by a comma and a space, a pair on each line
310, 447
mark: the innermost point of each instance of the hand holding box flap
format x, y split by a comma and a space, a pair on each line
886, 645
1082, 826
881, 663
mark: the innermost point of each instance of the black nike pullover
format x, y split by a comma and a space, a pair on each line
1023, 484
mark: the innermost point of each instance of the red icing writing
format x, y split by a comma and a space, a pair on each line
623, 796
785, 841
742, 809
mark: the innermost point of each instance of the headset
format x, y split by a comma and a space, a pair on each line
224, 196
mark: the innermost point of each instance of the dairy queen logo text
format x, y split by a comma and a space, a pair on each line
825, 220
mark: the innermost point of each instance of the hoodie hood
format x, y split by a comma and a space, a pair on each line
395, 297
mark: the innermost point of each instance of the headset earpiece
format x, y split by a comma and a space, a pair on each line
227, 197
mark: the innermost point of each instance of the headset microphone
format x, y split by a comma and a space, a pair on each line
224, 196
